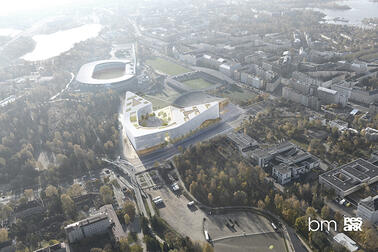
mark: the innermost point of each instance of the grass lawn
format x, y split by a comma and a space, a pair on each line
166, 66
237, 96
197, 83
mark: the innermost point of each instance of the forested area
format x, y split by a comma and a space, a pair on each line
217, 181
73, 133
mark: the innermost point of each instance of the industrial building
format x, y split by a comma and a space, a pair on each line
149, 130
350, 177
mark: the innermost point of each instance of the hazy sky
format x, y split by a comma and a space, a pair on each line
9, 7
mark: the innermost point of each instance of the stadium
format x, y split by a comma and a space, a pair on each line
105, 74
202, 79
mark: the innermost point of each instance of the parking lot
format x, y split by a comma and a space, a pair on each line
263, 242
238, 223
243, 231
174, 210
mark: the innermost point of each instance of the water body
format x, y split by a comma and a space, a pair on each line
51, 45
360, 9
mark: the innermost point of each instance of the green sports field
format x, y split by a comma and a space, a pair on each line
166, 67
197, 83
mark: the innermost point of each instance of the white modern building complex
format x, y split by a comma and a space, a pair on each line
149, 130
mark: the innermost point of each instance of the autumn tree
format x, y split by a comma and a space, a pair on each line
106, 194
68, 205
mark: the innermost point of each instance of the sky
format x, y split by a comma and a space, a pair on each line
9, 7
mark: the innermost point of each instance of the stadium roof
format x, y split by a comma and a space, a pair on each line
85, 74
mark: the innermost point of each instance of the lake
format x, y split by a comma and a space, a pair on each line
360, 9
51, 45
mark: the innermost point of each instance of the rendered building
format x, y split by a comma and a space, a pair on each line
149, 130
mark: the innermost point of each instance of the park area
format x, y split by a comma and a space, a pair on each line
167, 67
197, 84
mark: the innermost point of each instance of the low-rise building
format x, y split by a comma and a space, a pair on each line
242, 141
104, 221
345, 241
368, 209
340, 125
287, 161
94, 225
350, 177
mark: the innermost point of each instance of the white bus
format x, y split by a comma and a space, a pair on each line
190, 204
207, 236
156, 198
158, 201
274, 226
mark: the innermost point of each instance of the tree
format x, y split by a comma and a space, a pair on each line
301, 225
319, 240
96, 250
29, 194
106, 194
136, 248
129, 209
369, 237
310, 211
267, 201
6, 212
325, 212
3, 235
68, 205
51, 191
75, 190
260, 204
124, 245
151, 243
126, 217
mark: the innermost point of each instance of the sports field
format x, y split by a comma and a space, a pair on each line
166, 67
197, 83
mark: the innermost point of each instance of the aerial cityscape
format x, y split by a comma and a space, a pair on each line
189, 126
